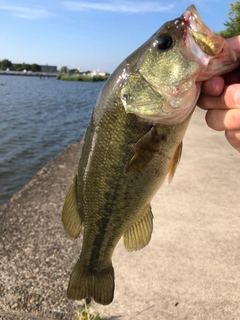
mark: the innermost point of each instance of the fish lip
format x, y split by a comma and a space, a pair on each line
193, 20
195, 25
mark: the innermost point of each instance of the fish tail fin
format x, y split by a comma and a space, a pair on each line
98, 285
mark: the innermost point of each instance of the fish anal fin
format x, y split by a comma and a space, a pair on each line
98, 284
175, 162
139, 235
70, 216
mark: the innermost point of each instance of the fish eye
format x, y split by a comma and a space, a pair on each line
164, 42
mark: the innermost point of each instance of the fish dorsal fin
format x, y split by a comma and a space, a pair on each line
139, 235
70, 216
175, 161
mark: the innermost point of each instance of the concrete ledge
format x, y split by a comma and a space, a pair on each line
35, 253
190, 269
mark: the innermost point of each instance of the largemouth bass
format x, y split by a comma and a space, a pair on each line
133, 142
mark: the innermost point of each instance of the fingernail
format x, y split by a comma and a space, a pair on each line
236, 96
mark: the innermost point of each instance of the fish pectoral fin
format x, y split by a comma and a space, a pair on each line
175, 162
84, 284
143, 151
139, 235
70, 216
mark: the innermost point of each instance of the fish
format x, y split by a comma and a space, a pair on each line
133, 142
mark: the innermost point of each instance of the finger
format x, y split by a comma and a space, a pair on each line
233, 138
207, 102
232, 77
213, 86
234, 43
223, 119
229, 99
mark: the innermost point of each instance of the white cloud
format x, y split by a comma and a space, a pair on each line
27, 13
118, 6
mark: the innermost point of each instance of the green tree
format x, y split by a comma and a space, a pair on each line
15, 66
26, 67
233, 25
19, 67
64, 69
35, 67
72, 71
6, 64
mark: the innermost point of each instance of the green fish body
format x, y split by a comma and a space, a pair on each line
134, 140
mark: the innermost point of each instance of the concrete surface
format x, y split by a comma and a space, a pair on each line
190, 269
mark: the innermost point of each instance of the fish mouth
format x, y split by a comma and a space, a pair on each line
199, 36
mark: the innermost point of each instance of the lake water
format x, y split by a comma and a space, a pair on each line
38, 119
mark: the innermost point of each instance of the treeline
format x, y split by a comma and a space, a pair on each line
233, 24
6, 64
87, 78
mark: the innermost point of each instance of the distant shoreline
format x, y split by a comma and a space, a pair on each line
88, 78
65, 77
32, 74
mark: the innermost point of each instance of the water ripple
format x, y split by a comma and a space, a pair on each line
39, 118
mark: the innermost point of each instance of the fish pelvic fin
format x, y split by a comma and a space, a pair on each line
70, 215
84, 283
139, 235
175, 162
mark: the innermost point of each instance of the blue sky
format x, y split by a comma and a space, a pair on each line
90, 34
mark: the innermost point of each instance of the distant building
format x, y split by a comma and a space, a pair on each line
95, 73
48, 68
102, 74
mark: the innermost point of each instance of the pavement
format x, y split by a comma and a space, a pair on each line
190, 270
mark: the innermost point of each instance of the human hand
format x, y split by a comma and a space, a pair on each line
221, 97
